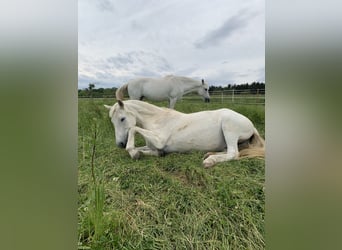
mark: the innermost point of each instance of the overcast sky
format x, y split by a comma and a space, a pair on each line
222, 41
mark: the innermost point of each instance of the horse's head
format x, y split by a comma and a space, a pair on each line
204, 91
122, 120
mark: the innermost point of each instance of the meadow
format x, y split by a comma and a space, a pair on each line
169, 202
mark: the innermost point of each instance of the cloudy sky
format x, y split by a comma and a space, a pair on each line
222, 41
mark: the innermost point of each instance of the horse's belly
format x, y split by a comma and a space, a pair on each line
199, 142
154, 97
154, 91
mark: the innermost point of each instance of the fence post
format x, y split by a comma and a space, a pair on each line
233, 96
222, 96
257, 96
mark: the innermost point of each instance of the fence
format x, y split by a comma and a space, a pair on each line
236, 96
240, 96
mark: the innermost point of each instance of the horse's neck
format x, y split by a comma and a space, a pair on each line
143, 111
190, 86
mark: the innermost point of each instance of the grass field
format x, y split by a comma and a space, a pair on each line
170, 202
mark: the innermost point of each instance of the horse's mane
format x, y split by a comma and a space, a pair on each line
184, 79
144, 107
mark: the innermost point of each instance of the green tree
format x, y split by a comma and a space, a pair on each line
91, 86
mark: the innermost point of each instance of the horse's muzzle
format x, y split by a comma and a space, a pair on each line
207, 100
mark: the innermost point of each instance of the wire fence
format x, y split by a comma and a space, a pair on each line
234, 96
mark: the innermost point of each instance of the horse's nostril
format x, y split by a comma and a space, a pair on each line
122, 145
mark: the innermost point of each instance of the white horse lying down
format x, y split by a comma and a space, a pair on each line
228, 133
170, 88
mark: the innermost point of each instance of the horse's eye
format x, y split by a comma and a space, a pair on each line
205, 89
122, 119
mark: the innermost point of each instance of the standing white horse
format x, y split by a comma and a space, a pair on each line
228, 133
170, 88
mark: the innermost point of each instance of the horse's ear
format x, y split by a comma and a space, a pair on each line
107, 107
121, 104
202, 81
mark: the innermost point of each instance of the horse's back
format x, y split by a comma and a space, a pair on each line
150, 88
223, 114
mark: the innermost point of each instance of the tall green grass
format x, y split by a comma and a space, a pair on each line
170, 202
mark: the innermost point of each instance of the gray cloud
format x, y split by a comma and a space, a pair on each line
228, 28
133, 59
122, 67
222, 77
261, 74
105, 5
121, 61
122, 40
135, 25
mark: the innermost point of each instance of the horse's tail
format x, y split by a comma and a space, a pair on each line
255, 147
120, 92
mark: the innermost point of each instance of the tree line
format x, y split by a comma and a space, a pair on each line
91, 91
251, 86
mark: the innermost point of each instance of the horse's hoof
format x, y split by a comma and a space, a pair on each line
135, 154
161, 153
208, 163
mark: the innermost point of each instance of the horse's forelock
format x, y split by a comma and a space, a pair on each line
116, 107
113, 110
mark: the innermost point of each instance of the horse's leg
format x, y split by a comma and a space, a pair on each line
172, 102
152, 138
148, 151
212, 153
130, 147
232, 151
241, 145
